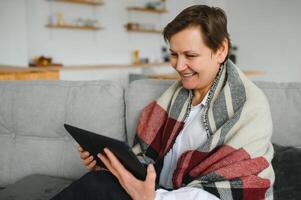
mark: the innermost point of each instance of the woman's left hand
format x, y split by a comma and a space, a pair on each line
136, 188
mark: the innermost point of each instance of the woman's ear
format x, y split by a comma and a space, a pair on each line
222, 52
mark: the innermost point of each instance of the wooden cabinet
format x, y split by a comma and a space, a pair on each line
28, 74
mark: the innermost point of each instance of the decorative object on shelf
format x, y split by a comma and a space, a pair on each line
91, 22
143, 60
86, 24
57, 20
60, 19
137, 60
145, 9
136, 56
146, 28
132, 26
165, 54
156, 5
72, 26
43, 61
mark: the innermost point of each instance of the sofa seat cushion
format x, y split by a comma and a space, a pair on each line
34, 187
287, 165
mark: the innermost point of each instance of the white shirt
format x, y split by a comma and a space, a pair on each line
191, 137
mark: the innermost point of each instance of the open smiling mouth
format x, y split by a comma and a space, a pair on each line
188, 75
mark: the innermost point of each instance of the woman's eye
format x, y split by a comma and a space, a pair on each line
190, 56
173, 55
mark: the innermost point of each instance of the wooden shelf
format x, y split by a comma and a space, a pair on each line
142, 9
5, 69
85, 2
110, 66
141, 30
70, 26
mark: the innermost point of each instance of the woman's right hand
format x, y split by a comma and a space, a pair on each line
88, 160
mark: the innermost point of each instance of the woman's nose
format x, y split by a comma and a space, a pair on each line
180, 65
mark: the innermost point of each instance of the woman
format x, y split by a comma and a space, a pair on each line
208, 135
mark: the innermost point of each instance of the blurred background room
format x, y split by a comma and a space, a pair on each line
121, 40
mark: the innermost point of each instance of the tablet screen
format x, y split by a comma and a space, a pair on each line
95, 143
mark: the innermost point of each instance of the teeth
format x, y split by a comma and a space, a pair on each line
187, 75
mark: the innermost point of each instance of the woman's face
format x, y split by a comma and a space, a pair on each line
196, 63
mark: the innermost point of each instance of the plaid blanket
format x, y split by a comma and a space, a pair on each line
235, 162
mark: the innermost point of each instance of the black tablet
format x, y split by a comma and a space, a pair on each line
95, 143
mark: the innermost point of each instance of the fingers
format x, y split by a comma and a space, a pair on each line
90, 165
132, 185
114, 160
79, 148
114, 165
151, 175
84, 155
88, 159
107, 163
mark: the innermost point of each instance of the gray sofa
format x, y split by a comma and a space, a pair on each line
38, 158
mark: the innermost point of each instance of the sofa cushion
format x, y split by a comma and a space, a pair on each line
32, 113
34, 187
287, 165
285, 104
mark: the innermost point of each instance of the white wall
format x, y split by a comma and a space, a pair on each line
13, 43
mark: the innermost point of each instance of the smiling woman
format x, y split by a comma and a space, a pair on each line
208, 135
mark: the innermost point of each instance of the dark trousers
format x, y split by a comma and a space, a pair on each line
95, 185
